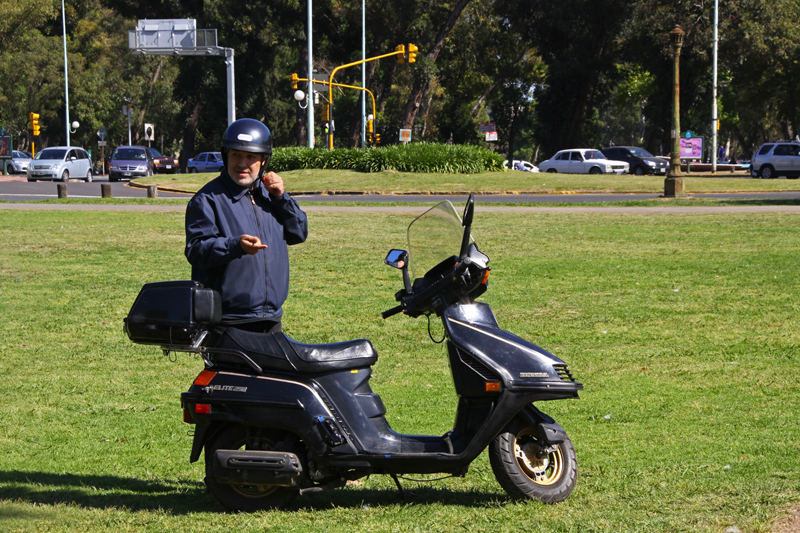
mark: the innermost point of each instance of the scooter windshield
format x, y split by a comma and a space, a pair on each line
433, 237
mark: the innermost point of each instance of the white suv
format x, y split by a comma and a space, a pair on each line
775, 159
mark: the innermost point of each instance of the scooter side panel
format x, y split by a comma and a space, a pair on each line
273, 401
363, 412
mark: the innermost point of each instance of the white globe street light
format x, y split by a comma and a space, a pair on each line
300, 96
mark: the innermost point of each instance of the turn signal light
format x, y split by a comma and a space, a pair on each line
493, 386
204, 378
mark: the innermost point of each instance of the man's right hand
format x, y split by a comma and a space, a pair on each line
250, 244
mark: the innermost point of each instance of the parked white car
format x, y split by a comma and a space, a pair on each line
583, 161
60, 163
521, 164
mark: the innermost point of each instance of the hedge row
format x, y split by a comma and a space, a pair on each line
414, 157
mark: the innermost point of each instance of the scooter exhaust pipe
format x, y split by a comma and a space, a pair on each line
242, 467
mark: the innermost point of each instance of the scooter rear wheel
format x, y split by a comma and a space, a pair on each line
245, 498
528, 468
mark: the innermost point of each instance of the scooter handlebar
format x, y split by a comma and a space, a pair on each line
391, 312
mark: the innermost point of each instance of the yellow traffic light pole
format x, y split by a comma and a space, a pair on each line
34, 118
400, 50
295, 79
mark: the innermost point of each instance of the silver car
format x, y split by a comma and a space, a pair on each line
777, 159
60, 163
18, 164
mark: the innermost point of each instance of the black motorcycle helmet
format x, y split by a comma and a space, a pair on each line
247, 135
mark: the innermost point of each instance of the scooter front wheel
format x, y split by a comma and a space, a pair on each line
529, 468
245, 498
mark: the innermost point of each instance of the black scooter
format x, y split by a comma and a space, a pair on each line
279, 418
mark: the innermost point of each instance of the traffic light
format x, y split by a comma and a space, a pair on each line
326, 112
401, 57
294, 79
34, 123
412, 53
370, 124
377, 138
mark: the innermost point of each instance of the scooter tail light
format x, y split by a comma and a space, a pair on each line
187, 417
202, 408
204, 378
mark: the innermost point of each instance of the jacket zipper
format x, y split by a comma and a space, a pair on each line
263, 258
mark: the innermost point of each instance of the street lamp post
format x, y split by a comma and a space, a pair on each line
66, 75
673, 184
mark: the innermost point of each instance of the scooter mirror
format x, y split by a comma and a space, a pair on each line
396, 258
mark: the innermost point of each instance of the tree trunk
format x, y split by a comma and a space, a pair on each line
190, 132
420, 80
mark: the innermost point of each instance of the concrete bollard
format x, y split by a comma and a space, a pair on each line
152, 191
105, 190
62, 190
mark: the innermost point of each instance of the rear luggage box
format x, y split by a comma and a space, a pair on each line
172, 313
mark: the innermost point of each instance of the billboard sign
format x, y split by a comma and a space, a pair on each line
5, 147
692, 148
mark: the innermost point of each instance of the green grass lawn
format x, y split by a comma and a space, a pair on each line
683, 329
318, 180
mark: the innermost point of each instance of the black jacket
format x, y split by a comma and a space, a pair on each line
251, 286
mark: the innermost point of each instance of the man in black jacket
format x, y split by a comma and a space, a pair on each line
238, 227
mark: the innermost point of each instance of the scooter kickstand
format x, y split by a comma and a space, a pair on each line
400, 487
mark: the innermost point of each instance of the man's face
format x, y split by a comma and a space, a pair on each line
244, 167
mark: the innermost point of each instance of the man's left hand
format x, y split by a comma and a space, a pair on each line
274, 184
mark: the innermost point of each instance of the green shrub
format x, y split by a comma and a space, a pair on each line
415, 157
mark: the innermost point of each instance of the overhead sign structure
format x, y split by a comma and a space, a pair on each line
172, 37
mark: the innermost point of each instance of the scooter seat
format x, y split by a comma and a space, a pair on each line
276, 351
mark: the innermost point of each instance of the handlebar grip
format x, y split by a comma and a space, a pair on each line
391, 312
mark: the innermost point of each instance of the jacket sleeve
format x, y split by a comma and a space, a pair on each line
293, 219
205, 246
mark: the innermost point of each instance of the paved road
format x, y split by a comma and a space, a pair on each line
19, 190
